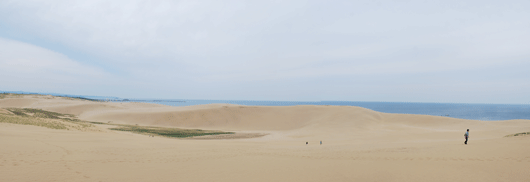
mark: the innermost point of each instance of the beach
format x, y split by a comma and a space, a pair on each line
269, 144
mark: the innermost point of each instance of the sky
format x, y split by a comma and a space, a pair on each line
389, 51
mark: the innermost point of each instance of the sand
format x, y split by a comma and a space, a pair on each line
358, 145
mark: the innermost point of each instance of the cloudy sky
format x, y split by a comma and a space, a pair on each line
409, 51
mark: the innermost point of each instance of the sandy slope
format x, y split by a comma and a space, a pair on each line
359, 145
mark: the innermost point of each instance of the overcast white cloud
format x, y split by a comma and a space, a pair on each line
416, 51
26, 66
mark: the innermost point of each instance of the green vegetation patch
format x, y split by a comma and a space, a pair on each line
39, 113
13, 95
10, 95
168, 132
32, 121
48, 119
518, 134
93, 122
39, 117
17, 112
83, 98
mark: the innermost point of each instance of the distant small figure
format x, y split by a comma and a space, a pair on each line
466, 135
306, 143
320, 142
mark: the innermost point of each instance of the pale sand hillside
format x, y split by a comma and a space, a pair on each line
358, 145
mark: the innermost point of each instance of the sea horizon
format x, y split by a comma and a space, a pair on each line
473, 111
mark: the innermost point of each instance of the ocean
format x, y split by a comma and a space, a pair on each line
486, 112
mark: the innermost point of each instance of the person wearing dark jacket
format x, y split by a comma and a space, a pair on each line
466, 135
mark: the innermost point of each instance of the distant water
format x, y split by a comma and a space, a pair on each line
485, 112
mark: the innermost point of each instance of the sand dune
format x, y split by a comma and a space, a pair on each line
359, 145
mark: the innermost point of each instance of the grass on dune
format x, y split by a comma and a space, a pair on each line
518, 134
13, 119
53, 120
38, 113
10, 95
48, 119
13, 95
168, 132
17, 112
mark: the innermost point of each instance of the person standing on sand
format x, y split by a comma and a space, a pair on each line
467, 136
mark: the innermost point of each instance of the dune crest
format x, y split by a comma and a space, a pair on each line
296, 121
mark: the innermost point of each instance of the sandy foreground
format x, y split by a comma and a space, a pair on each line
358, 145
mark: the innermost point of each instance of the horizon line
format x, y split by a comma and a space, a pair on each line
155, 99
